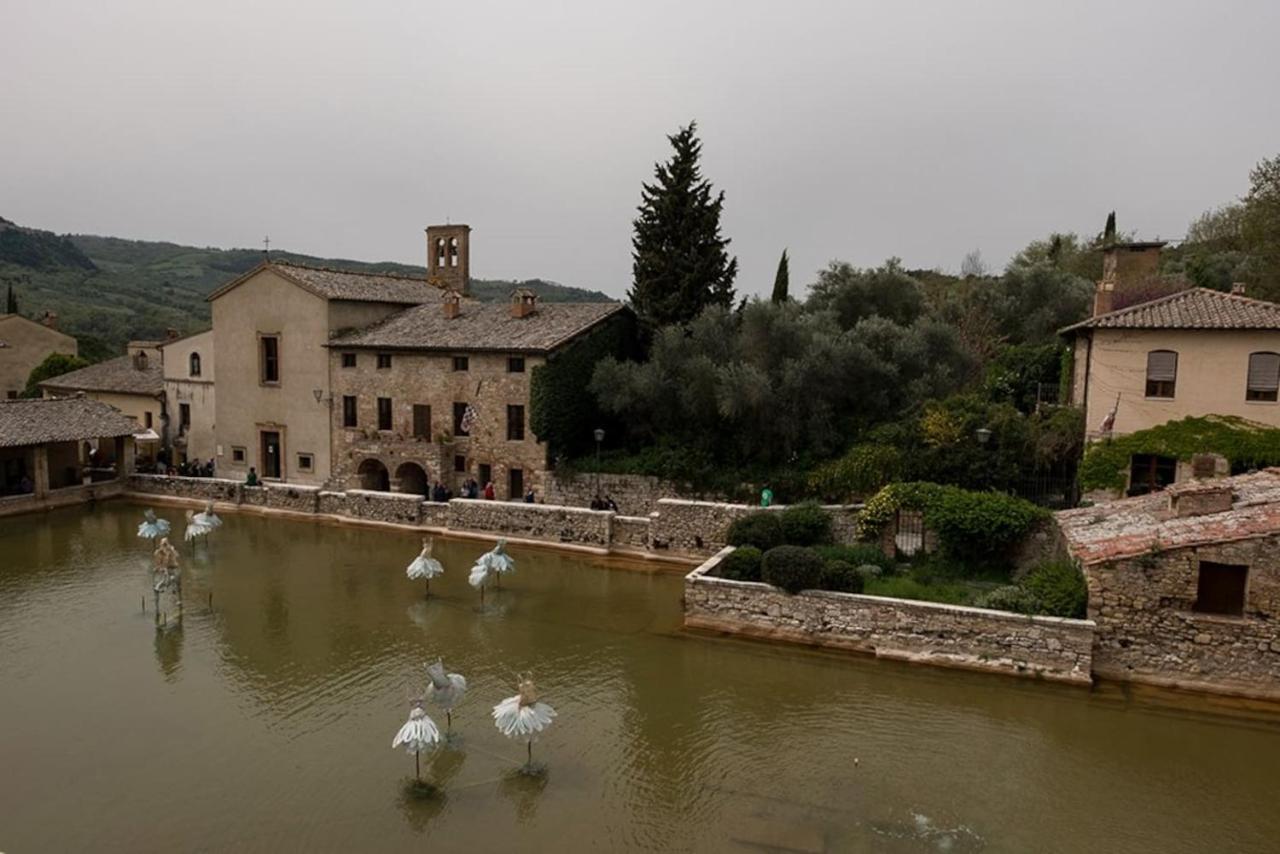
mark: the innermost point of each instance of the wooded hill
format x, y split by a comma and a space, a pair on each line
107, 290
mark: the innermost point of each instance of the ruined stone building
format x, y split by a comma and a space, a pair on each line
24, 344
1184, 585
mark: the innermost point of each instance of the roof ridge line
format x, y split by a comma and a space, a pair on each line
403, 277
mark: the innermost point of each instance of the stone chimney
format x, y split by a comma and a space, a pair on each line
524, 303
140, 360
1237, 288
1199, 497
1125, 266
452, 304
50, 319
171, 334
449, 257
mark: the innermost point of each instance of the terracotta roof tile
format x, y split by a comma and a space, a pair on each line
34, 422
118, 375
1196, 308
1130, 527
482, 326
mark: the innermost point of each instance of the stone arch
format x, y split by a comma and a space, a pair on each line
412, 478
373, 475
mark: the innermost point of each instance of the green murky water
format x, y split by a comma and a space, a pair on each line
265, 724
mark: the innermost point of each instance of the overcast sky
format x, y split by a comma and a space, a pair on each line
851, 130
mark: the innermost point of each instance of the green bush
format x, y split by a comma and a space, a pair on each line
902, 587
1011, 597
762, 530
869, 572
793, 568
741, 564
858, 554
1058, 589
861, 471
841, 577
805, 525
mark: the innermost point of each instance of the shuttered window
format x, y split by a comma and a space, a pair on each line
1162, 373
1264, 376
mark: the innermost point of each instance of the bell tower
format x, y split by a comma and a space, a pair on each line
449, 257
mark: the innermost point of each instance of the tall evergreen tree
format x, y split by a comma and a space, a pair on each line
1109, 233
680, 263
11, 305
781, 279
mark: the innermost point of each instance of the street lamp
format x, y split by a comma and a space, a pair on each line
983, 434
599, 434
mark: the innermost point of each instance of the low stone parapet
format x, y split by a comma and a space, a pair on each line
12, 505
208, 488
701, 527
331, 503
399, 507
434, 514
534, 521
299, 499
1051, 648
632, 531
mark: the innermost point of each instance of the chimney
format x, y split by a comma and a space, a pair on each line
524, 303
1199, 497
140, 360
449, 257
1126, 267
1237, 288
171, 334
452, 304
50, 319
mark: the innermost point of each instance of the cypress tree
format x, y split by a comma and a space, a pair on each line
11, 305
680, 263
1109, 233
781, 279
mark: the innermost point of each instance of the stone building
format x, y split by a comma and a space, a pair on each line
441, 392
1184, 585
132, 383
187, 368
51, 449
24, 344
271, 326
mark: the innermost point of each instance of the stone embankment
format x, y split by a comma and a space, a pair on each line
1050, 648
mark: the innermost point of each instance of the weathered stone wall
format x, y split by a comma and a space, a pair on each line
701, 526
12, 505
630, 531
384, 506
332, 503
434, 514
294, 497
535, 521
1148, 630
924, 632
635, 494
208, 488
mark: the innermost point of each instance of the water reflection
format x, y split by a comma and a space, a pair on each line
524, 790
168, 646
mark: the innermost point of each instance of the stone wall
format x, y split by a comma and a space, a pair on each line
630, 532
923, 632
1148, 630
635, 494
208, 488
434, 514
534, 521
12, 505
384, 506
701, 526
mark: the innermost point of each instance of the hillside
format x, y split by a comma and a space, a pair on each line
108, 290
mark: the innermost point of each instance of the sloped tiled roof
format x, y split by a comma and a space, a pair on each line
118, 375
1129, 527
345, 284
482, 326
68, 419
1195, 308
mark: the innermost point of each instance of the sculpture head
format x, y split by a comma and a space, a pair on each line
528, 691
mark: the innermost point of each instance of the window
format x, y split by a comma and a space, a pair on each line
440, 252
349, 416
459, 413
384, 413
348, 360
1151, 473
270, 358
12, 395
453, 251
515, 423
237, 455
1220, 588
306, 462
193, 364
184, 417
461, 363
516, 484
459, 463
384, 361
1264, 377
1162, 373
515, 364
421, 421
147, 417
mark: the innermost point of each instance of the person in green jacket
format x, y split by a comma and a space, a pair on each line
766, 497
252, 479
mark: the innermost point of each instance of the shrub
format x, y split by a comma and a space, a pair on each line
762, 530
1058, 589
805, 525
861, 471
793, 568
869, 572
842, 577
1011, 597
858, 554
741, 564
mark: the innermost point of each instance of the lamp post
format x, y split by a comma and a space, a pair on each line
599, 434
983, 434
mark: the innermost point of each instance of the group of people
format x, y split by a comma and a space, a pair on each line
186, 468
605, 503
471, 489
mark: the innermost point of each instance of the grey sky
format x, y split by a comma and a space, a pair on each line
840, 129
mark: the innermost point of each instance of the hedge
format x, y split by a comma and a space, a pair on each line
793, 568
741, 564
762, 530
805, 525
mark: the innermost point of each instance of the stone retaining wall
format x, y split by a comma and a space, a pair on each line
630, 531
434, 514
635, 494
208, 488
12, 505
402, 508
701, 526
1050, 648
535, 521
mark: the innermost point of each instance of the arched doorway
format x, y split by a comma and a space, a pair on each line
411, 477
373, 475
